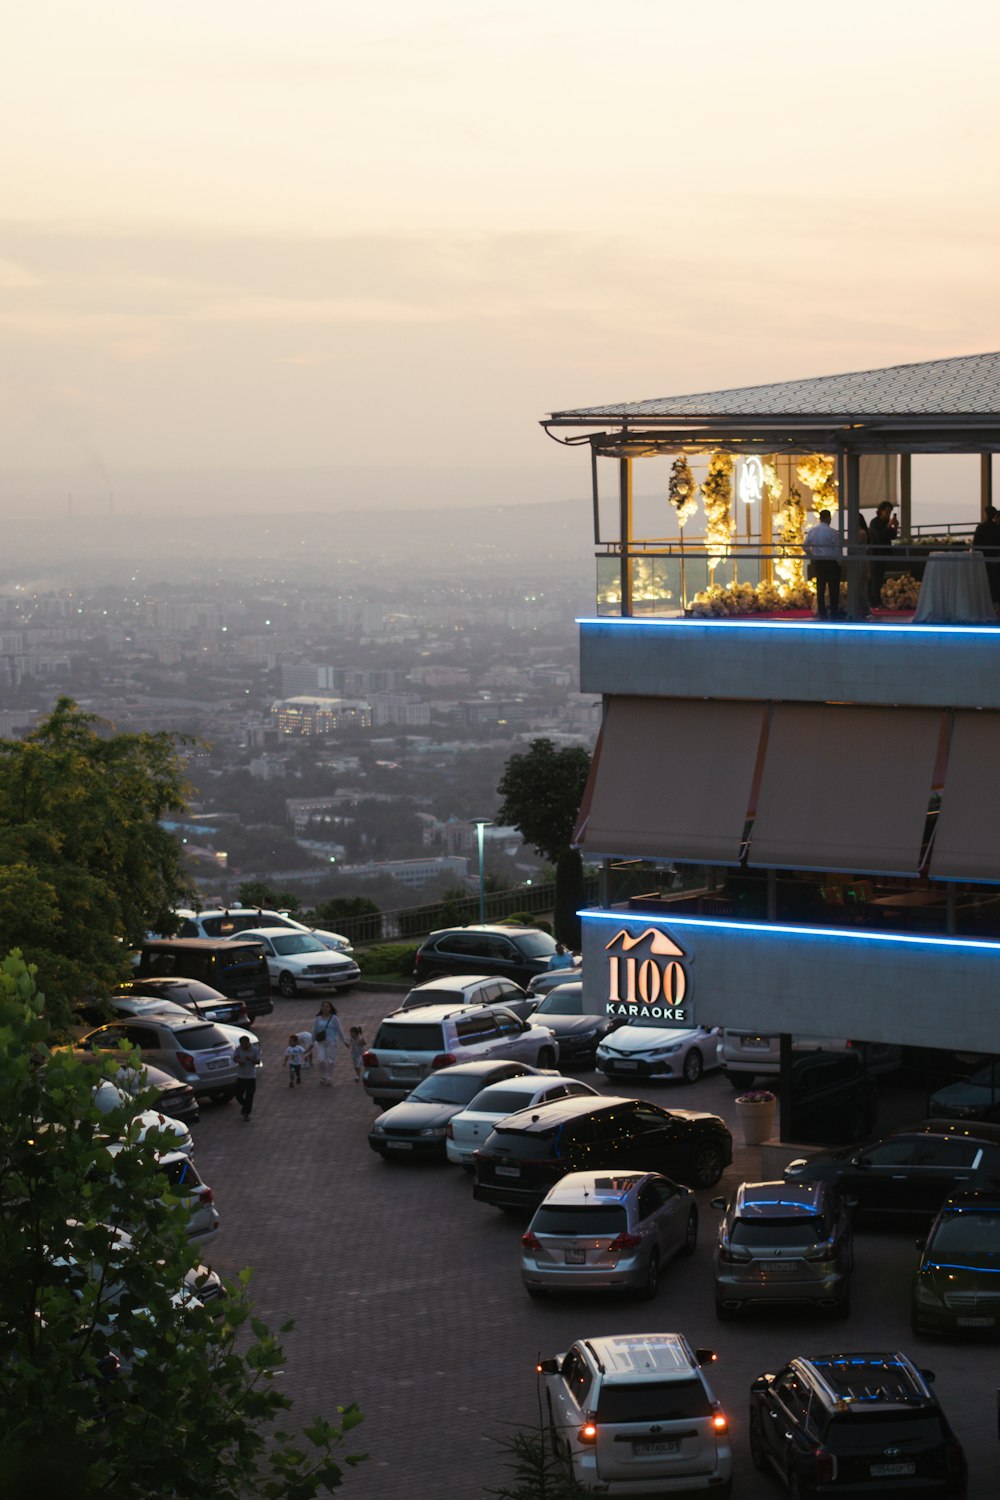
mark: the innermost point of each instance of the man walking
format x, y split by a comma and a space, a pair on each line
822, 547
246, 1055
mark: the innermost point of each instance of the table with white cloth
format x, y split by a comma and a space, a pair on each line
955, 590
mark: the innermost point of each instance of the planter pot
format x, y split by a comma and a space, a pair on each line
756, 1120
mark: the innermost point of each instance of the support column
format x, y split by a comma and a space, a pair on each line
985, 484
625, 531
857, 605
905, 495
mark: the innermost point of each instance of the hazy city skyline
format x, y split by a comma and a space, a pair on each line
258, 258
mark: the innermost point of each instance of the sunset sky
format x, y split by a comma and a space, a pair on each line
345, 255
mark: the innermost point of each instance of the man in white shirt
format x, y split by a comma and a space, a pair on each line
822, 547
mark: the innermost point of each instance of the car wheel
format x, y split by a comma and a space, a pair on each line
758, 1453
693, 1066
706, 1165
546, 1058
651, 1285
223, 1096
691, 1234
286, 985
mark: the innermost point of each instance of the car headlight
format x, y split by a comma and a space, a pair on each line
435, 1130
378, 1128
926, 1296
586, 1036
664, 1051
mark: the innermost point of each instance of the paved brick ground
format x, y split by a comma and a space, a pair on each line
407, 1296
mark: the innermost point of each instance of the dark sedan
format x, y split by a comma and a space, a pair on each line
577, 1030
910, 1171
417, 1127
957, 1285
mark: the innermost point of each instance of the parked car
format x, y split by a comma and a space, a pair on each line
955, 1288
854, 1424
781, 1243
182, 1180
553, 979
525, 1155
228, 921
468, 1129
974, 1098
607, 1231
633, 1414
299, 963
745, 1054
833, 1099
198, 1053
577, 1030
162, 1092
107, 1097
479, 989
409, 1044
517, 953
911, 1170
138, 1007
659, 1053
230, 967
75, 1259
417, 1127
200, 999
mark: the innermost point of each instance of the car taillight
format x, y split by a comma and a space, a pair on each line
206, 1196
720, 1423
826, 1466
588, 1432
443, 1060
449, 1132
186, 1061
625, 1242
244, 1013
530, 1241
954, 1460
369, 1059
729, 1256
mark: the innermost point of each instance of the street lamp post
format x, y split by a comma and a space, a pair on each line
481, 824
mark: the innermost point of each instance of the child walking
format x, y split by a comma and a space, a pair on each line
358, 1048
294, 1054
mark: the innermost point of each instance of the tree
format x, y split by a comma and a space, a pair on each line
86, 867
542, 790
259, 893
111, 1381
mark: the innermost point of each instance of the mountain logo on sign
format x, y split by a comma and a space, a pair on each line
659, 943
653, 986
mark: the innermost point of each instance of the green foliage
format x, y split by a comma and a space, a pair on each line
388, 958
538, 1471
259, 893
339, 907
542, 791
85, 867
193, 1407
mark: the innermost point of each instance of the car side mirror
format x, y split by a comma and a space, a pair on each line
705, 1356
929, 1376
719, 1203
548, 1367
919, 1244
761, 1384
525, 1025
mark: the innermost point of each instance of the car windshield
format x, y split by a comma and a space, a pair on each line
536, 944
297, 942
860, 1431
139, 1006
431, 997
653, 1401
558, 1004
986, 1078
201, 1038
575, 1219
783, 1232
967, 1235
392, 1037
440, 1089
500, 1100
180, 1174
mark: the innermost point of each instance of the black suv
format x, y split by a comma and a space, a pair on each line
912, 1170
854, 1424
955, 1288
518, 953
522, 1158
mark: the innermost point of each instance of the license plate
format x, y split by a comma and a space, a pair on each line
405, 1072
778, 1265
620, 1062
976, 1322
400, 1145
889, 1471
576, 1257
244, 994
756, 1043
649, 1450
508, 1171
222, 1063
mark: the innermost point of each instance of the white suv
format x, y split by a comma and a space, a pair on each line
230, 920
634, 1415
409, 1044
746, 1054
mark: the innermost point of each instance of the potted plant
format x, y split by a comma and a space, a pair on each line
755, 1111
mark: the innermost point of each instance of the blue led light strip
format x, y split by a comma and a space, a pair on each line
852, 627
775, 929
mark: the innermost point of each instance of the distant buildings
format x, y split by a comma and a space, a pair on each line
317, 716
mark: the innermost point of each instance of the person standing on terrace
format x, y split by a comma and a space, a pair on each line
881, 534
987, 540
822, 547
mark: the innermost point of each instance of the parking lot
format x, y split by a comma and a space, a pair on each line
407, 1295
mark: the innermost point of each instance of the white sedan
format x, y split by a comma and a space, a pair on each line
466, 1132
299, 963
107, 1096
662, 1052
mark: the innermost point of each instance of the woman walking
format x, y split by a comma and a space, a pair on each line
326, 1033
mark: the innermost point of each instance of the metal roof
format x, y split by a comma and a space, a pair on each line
966, 386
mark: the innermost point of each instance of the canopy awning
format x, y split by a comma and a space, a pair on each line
967, 837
